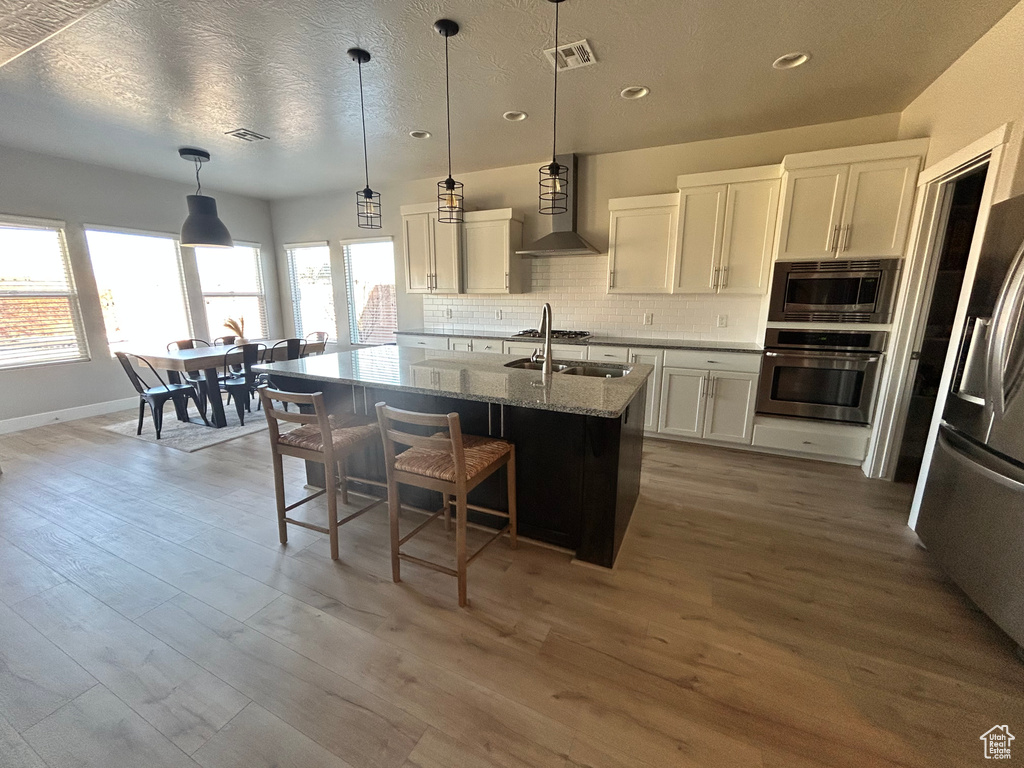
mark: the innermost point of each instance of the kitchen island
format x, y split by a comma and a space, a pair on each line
578, 438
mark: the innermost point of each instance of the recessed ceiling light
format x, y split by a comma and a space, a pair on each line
420, 134
791, 60
634, 92
515, 117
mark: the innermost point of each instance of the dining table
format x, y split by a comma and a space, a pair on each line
211, 360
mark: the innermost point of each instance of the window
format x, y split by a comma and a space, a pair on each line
370, 278
39, 316
309, 270
232, 284
142, 294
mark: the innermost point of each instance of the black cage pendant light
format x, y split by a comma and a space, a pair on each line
202, 227
367, 201
449, 192
554, 178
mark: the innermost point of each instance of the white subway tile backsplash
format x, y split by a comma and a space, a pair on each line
575, 288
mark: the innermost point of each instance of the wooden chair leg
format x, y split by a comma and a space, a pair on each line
394, 502
142, 414
511, 476
330, 483
447, 511
282, 526
460, 545
343, 481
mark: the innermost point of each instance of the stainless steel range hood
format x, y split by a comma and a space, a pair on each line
563, 240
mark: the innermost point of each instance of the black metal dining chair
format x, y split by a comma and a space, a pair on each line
293, 350
240, 384
196, 378
156, 396
187, 344
224, 341
316, 337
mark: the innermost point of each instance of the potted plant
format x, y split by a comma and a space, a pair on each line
237, 327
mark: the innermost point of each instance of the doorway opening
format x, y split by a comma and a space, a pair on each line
961, 204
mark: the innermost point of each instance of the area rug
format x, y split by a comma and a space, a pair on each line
191, 436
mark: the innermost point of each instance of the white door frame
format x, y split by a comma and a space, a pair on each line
934, 185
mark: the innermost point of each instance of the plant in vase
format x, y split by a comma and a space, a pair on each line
237, 327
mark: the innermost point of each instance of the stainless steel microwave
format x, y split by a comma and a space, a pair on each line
837, 291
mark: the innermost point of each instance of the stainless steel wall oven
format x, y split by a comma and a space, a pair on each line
838, 291
830, 375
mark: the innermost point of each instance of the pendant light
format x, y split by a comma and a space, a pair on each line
449, 191
554, 178
202, 227
367, 201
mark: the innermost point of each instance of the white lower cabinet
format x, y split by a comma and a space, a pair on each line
459, 344
492, 346
847, 442
558, 351
712, 405
609, 354
423, 342
656, 358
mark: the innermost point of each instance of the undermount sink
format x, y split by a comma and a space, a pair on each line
527, 364
597, 371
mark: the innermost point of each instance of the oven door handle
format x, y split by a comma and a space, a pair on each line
826, 356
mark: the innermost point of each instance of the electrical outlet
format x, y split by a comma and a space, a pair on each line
723, 321
648, 318
448, 312
497, 314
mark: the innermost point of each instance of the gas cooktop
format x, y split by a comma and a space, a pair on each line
533, 333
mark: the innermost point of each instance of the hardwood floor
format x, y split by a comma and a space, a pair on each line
764, 612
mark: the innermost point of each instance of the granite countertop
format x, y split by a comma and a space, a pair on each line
469, 376
599, 340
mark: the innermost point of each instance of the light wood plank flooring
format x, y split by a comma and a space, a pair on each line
764, 612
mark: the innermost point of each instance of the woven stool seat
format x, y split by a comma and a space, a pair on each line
349, 431
480, 453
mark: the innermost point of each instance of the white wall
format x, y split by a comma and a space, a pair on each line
81, 194
980, 91
604, 176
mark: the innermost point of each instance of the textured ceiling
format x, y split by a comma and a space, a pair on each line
24, 24
135, 79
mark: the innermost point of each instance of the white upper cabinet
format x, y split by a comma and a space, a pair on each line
726, 230
812, 209
849, 203
879, 202
701, 215
489, 261
642, 243
432, 251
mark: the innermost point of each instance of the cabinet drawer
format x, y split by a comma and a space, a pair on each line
610, 354
493, 346
423, 342
713, 361
832, 440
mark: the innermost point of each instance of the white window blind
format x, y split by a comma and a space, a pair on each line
370, 282
232, 284
39, 315
309, 271
141, 288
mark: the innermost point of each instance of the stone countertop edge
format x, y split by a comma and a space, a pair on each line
625, 387
746, 347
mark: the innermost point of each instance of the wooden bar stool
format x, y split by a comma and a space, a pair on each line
328, 440
451, 463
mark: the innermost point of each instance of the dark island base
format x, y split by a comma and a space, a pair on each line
579, 476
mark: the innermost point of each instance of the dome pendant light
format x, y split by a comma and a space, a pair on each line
367, 201
554, 178
202, 227
449, 192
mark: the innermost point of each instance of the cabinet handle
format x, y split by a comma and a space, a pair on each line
634, 358
701, 393
725, 278
711, 387
714, 278
611, 278
832, 240
846, 237
506, 281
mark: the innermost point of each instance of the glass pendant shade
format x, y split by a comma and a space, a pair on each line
203, 227
449, 201
368, 209
554, 189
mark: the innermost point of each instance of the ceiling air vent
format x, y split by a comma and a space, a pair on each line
246, 135
572, 56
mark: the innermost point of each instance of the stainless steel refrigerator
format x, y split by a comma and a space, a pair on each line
972, 509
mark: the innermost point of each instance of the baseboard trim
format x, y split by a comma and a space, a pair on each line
66, 414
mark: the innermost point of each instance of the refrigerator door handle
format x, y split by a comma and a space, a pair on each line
1004, 335
978, 460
